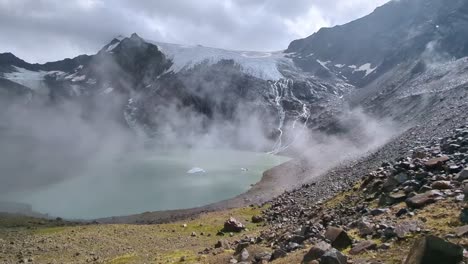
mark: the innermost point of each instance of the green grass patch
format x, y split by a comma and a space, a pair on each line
177, 255
124, 259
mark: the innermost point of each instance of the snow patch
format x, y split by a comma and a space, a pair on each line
324, 64
339, 65
79, 78
112, 47
365, 68
31, 79
108, 90
352, 66
55, 74
91, 81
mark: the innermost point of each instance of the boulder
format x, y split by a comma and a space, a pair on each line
291, 246
461, 231
316, 252
423, 199
390, 184
401, 212
241, 246
338, 237
441, 185
392, 198
378, 211
436, 163
224, 244
257, 219
244, 255
465, 189
232, 225
454, 168
434, 250
264, 256
279, 253
464, 216
363, 246
401, 177
365, 228
403, 229
333, 256
297, 239
463, 175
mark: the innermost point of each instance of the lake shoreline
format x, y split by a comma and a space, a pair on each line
274, 181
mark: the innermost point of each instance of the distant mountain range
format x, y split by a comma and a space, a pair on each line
397, 62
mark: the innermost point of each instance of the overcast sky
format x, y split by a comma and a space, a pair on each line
45, 30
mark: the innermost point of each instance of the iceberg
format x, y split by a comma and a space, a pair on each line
196, 170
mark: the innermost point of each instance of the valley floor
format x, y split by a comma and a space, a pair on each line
28, 240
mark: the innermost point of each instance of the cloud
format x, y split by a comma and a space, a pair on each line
45, 30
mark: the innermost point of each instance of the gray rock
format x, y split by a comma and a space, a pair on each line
316, 252
333, 256
365, 228
338, 237
244, 256
363, 246
265, 256
292, 246
463, 175
401, 212
378, 211
436, 163
461, 231
389, 232
421, 200
232, 225
224, 244
297, 239
385, 246
434, 250
401, 177
392, 198
257, 219
403, 229
441, 185
464, 216
390, 184
279, 253
241, 246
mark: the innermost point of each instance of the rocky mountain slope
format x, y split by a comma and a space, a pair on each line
155, 84
399, 31
399, 64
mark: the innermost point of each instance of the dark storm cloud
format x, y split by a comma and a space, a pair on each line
44, 30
